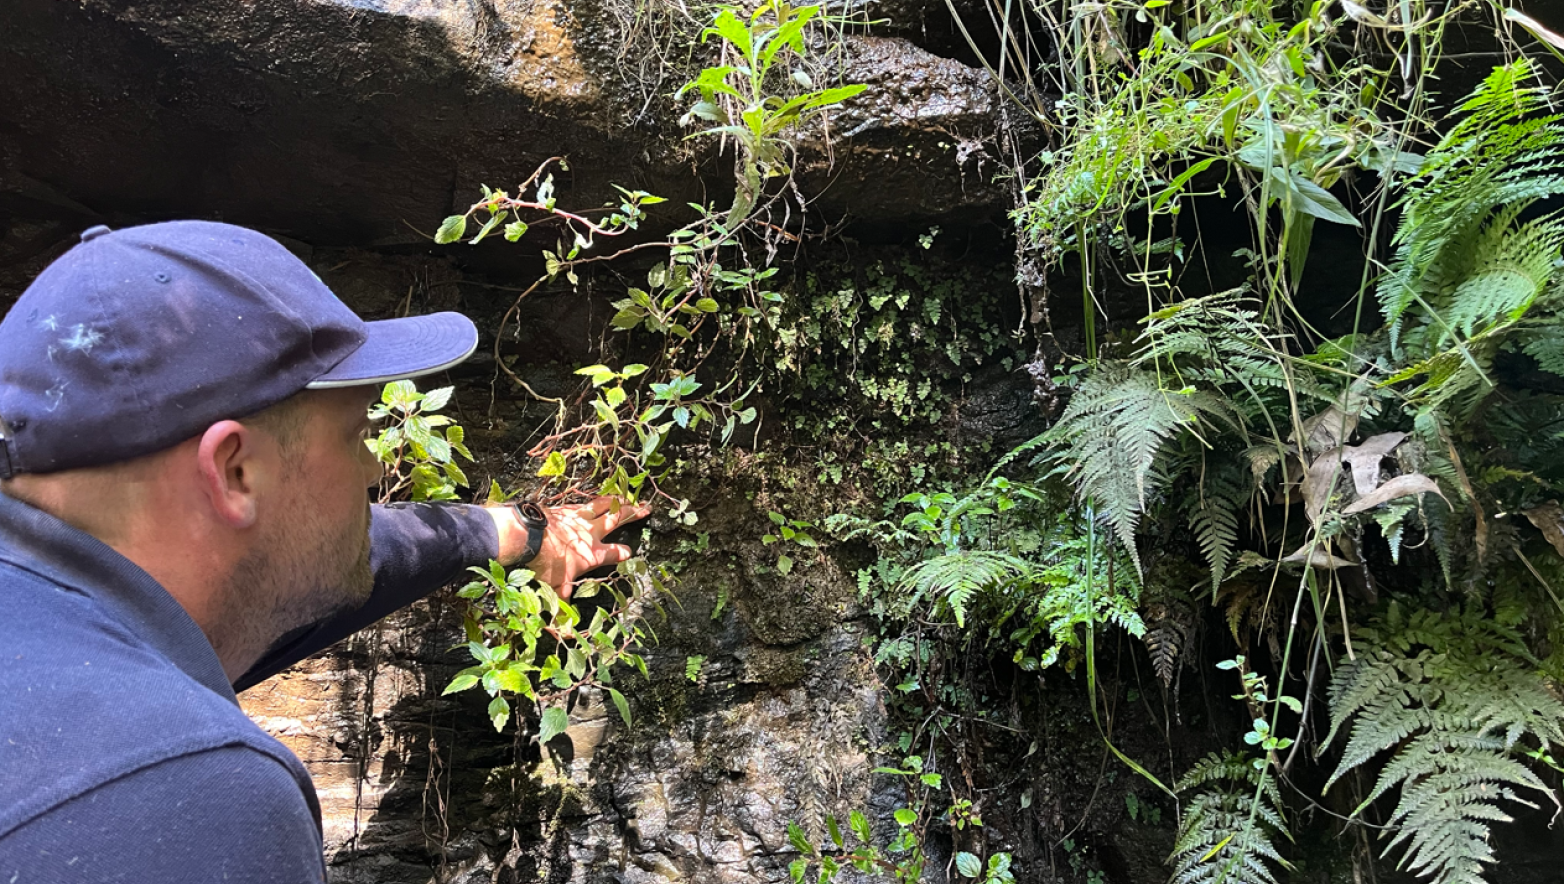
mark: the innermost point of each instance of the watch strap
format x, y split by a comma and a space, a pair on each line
535, 520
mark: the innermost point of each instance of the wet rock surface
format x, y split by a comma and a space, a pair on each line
345, 121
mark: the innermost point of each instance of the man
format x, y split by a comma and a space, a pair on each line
184, 512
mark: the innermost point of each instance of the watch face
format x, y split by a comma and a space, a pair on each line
531, 513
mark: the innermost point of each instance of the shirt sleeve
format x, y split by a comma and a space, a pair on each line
229, 814
414, 549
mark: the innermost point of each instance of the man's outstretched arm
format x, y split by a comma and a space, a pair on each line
416, 548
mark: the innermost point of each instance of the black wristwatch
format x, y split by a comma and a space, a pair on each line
536, 521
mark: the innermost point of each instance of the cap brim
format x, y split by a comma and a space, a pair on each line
404, 348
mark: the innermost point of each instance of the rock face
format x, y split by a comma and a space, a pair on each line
780, 722
339, 124
346, 121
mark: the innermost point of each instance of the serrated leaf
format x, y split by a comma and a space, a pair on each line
796, 837
968, 866
905, 816
553, 723
436, 399
451, 229
487, 228
860, 825
553, 465
499, 712
511, 679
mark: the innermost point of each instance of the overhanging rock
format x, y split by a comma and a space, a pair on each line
348, 120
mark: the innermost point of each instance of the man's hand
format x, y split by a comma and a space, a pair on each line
573, 543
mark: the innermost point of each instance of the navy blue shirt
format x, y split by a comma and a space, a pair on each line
124, 756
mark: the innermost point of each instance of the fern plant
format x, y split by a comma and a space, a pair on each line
1229, 827
1025, 568
1459, 700
1205, 369
1469, 263
1112, 432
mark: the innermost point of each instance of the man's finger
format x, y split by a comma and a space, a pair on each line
614, 553
598, 506
626, 515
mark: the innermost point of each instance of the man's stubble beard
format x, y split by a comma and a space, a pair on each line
296, 575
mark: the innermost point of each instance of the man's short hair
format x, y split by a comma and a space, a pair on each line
284, 422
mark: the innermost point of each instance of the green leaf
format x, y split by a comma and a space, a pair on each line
600, 374
732, 30
605, 412
628, 318
515, 230
436, 399
554, 722
1309, 198
621, 704
451, 229
553, 465
796, 837
463, 680
513, 680
796, 870
860, 825
968, 865
835, 830
784, 565
499, 712
707, 305
905, 816
487, 228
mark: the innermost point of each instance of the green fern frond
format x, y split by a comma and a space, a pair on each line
953, 580
1461, 257
1229, 826
1458, 697
1215, 516
1514, 263
1546, 346
1112, 432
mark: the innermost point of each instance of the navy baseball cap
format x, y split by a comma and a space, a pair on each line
138, 339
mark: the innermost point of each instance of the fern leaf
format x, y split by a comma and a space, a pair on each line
955, 579
1215, 518
1455, 695
1112, 432
1226, 834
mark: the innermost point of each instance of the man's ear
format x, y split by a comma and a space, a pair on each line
228, 458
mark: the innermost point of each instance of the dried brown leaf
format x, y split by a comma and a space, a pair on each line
1328, 429
1400, 486
1365, 459
1322, 478
1320, 558
1549, 519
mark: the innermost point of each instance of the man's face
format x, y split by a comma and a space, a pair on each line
311, 555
